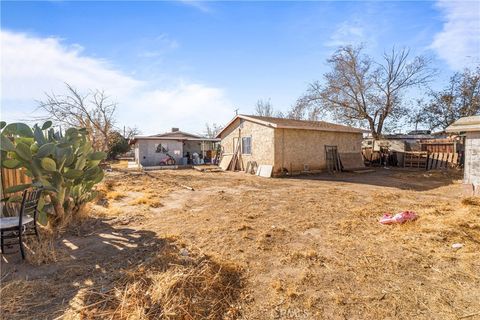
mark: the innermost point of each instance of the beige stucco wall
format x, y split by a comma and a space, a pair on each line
288, 148
261, 143
295, 148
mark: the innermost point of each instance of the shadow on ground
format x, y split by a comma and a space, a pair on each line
400, 178
96, 261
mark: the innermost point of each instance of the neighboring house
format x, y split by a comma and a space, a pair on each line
291, 145
470, 127
150, 150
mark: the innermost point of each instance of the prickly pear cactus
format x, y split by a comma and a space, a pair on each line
64, 164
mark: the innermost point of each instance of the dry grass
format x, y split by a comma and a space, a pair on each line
471, 201
115, 195
309, 248
168, 286
20, 294
42, 251
149, 200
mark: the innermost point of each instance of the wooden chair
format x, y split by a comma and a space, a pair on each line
24, 223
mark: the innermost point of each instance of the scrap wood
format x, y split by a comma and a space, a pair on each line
364, 171
332, 159
236, 163
252, 167
225, 161
351, 160
208, 168
264, 170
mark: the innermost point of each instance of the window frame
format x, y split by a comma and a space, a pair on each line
249, 145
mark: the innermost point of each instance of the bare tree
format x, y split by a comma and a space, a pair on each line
93, 111
460, 99
417, 116
212, 130
130, 132
360, 91
264, 108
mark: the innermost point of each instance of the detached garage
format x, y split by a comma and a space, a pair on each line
289, 146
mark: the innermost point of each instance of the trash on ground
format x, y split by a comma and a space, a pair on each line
457, 246
400, 217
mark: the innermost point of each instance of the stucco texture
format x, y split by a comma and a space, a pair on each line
292, 149
262, 141
295, 149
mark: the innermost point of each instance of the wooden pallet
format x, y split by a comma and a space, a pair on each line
442, 161
415, 160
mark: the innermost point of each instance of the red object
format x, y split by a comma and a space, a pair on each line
400, 217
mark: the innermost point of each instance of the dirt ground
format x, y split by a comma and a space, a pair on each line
307, 247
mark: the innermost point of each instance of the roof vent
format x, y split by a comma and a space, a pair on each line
175, 129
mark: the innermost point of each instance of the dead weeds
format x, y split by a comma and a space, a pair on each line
169, 285
308, 249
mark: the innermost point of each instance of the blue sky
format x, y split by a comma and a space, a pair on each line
186, 63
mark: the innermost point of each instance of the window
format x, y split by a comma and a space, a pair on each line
247, 145
160, 149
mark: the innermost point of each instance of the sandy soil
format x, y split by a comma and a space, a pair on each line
308, 247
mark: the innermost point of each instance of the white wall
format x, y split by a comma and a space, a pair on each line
147, 155
472, 160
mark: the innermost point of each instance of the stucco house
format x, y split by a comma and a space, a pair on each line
470, 128
151, 150
287, 145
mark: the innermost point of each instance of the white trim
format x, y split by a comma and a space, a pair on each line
241, 146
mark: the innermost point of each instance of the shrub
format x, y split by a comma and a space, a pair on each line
64, 164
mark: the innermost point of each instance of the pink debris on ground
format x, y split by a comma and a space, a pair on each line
400, 217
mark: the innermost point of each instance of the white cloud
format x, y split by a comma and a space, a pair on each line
459, 41
31, 66
351, 32
197, 4
158, 46
186, 105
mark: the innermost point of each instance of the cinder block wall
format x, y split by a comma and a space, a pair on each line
472, 160
147, 155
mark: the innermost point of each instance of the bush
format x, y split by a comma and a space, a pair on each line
117, 145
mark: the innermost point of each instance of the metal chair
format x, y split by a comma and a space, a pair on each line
24, 223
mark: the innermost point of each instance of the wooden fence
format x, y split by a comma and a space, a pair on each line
13, 177
442, 160
431, 161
